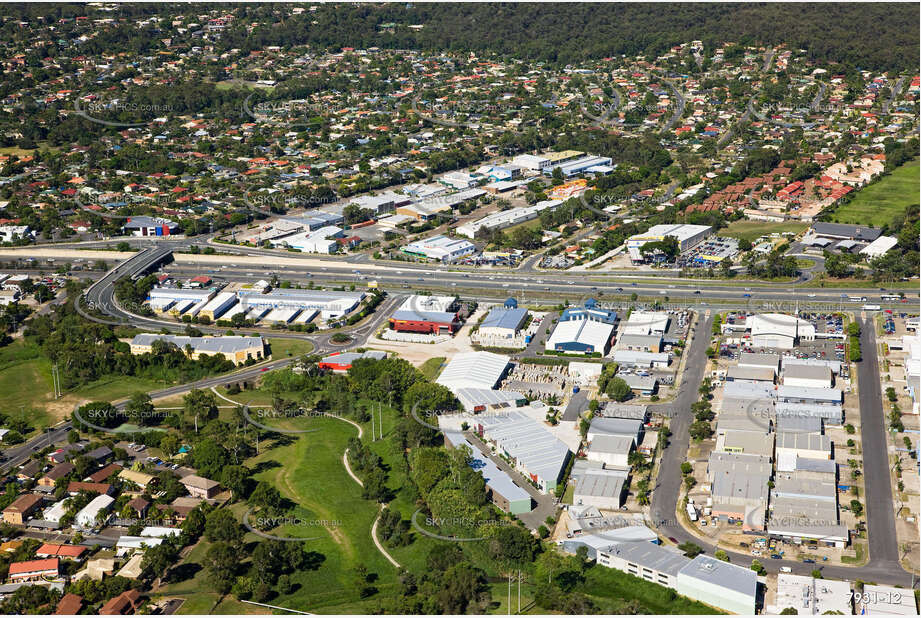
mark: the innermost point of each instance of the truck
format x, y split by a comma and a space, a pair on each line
871, 307
692, 512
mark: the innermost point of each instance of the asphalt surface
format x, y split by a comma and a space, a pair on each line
19, 454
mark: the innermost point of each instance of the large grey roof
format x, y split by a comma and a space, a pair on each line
600, 485
496, 479
651, 556
711, 570
616, 426
500, 317
857, 232
208, 345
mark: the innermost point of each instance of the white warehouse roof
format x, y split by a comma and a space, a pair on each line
473, 370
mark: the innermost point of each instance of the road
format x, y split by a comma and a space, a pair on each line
884, 547
19, 454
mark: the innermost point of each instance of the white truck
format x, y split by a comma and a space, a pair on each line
692, 512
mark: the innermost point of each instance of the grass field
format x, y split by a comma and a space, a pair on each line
432, 367
882, 201
282, 348
750, 230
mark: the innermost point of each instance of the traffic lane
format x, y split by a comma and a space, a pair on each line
877, 481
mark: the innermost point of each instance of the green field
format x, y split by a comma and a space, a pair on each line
282, 347
882, 201
750, 230
432, 367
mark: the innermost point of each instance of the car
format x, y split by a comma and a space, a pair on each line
811, 295
786, 569
776, 556
620, 289
746, 295
808, 560
264, 369
743, 544
697, 291
672, 539
633, 284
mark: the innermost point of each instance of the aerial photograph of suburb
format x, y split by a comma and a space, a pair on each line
408, 308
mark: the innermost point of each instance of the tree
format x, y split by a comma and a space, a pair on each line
618, 390
220, 563
721, 555
140, 408
201, 404
856, 508
701, 430
690, 549
789, 611
222, 526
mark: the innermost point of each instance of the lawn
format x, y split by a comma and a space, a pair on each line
882, 201
615, 592
750, 230
282, 348
432, 367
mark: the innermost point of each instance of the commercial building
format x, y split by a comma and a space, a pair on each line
878, 247
322, 240
810, 596
475, 370
88, 517
719, 584
738, 486
627, 358
416, 321
793, 444
687, 235
177, 300
236, 349
502, 489
640, 343
150, 226
809, 395
534, 163
218, 305
383, 202
648, 561
440, 248
628, 427
482, 399
778, 330
758, 360
738, 373
580, 334
745, 442
588, 164
840, 231
832, 413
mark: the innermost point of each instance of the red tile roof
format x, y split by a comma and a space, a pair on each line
34, 566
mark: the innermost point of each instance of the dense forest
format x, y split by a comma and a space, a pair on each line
858, 35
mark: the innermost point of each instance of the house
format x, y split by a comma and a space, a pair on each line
68, 552
18, 512
32, 570
29, 471
102, 475
55, 474
125, 603
100, 455
141, 479
138, 506
88, 517
69, 605
75, 487
200, 487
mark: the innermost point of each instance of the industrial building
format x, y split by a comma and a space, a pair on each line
604, 489
645, 323
439, 248
886, 600
778, 330
589, 164
841, 231
628, 358
523, 441
236, 349
584, 330
506, 218
878, 247
739, 486
322, 240
809, 376
482, 399
640, 343
503, 322
628, 427
648, 561
331, 305
719, 584
687, 235
811, 596
475, 370
759, 360
218, 305
611, 450
737, 373
502, 489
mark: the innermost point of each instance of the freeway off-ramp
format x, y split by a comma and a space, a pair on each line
883, 565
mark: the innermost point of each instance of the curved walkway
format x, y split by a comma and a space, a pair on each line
345, 462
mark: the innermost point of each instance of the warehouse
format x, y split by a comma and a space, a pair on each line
532, 450
88, 517
807, 519
640, 343
163, 299
648, 561
218, 305
503, 322
626, 358
587, 164
342, 361
840, 231
531, 162
506, 218
584, 336
150, 226
627, 427
644, 385
778, 330
473, 370
756, 360
477, 400
322, 240
611, 450
832, 414
739, 486
878, 247
750, 374
421, 321
688, 237
808, 394
811, 596
439, 248
791, 363
645, 323
502, 489
809, 376
719, 584
236, 349
384, 202
604, 489
886, 600
331, 305
745, 442
792, 444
